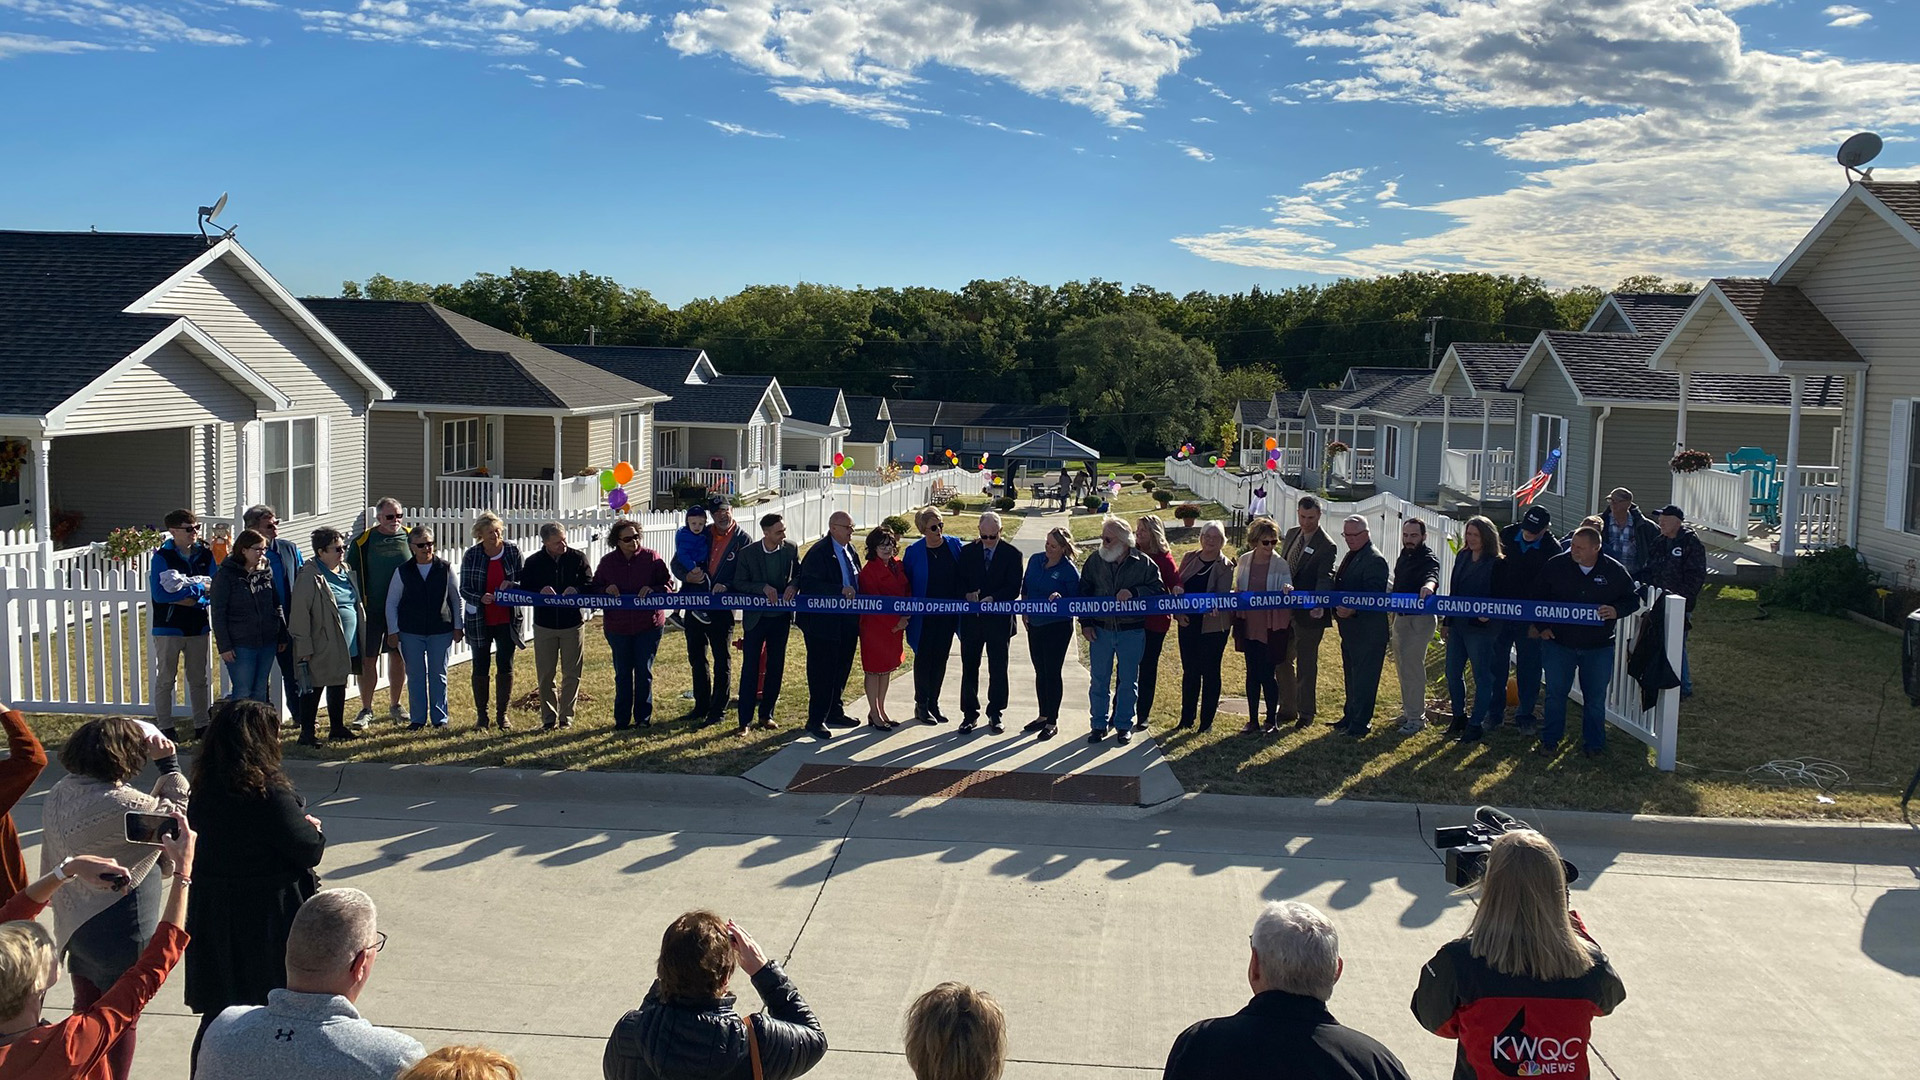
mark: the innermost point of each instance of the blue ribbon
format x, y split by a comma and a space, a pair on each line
1081, 606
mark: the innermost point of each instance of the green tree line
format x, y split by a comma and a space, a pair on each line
1140, 366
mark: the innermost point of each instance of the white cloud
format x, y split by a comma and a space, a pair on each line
1688, 150
124, 25
25, 44
650, 116
510, 67
977, 121
886, 108
737, 129
1205, 120
1194, 152
499, 26
1104, 55
571, 62
1846, 15
582, 83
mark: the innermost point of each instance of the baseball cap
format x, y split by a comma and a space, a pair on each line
717, 502
697, 510
1674, 510
1536, 519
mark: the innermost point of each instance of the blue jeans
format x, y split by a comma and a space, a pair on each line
633, 676
1480, 647
1525, 661
250, 672
1116, 652
1594, 667
426, 659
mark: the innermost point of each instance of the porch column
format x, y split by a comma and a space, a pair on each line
1680, 423
42, 499
1790, 491
428, 496
559, 470
1446, 427
1486, 455
1856, 410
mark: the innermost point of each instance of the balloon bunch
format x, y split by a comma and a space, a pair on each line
1185, 451
840, 465
1217, 461
613, 481
1273, 455
953, 458
919, 463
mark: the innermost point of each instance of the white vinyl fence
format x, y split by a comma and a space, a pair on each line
76, 628
1658, 727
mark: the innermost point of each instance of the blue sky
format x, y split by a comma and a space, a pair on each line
695, 146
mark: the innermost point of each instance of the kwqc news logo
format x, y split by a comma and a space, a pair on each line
1515, 1053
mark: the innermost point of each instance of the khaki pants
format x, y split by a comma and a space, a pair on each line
1300, 674
168, 651
559, 648
1411, 634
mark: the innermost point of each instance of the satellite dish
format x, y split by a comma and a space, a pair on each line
1857, 151
221, 204
208, 213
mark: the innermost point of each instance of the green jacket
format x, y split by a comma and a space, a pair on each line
756, 568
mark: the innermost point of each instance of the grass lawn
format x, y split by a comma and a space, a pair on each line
1794, 685
1769, 685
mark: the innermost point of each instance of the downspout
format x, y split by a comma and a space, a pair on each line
426, 457
1599, 446
1857, 401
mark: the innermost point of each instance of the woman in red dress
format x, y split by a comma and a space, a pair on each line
881, 636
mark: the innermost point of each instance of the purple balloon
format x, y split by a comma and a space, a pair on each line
617, 498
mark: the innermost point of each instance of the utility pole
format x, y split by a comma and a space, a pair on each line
1433, 337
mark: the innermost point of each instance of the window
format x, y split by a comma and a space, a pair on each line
459, 446
292, 467
1390, 452
666, 448
629, 439
1549, 434
939, 441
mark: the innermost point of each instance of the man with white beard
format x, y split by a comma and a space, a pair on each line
1117, 570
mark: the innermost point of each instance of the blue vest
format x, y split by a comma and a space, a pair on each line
423, 602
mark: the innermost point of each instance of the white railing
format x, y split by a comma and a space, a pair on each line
1461, 470
1363, 465
748, 481
823, 479
1658, 727
1821, 519
504, 495
75, 634
1257, 459
1715, 500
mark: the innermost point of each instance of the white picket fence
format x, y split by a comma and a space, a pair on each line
76, 629
1658, 727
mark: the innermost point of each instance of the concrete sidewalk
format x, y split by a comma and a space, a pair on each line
525, 910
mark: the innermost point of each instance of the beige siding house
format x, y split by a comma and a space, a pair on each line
148, 372
481, 418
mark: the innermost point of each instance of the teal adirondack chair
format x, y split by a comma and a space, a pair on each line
1762, 471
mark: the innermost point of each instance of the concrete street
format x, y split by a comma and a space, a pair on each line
525, 911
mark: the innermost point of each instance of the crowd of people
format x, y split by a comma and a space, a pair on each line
274, 964
319, 622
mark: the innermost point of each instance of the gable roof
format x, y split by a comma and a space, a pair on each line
1359, 378
1286, 404
1792, 328
63, 301
1051, 445
1321, 402
815, 405
1252, 412
869, 418
927, 413
1896, 203
1414, 399
1612, 369
725, 399
432, 356
1646, 313
911, 412
1486, 365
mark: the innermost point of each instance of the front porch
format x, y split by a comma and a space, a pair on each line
504, 495
1723, 508
1478, 476
738, 462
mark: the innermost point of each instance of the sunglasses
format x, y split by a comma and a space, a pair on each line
389, 517
628, 539
989, 536
336, 547
936, 527
423, 544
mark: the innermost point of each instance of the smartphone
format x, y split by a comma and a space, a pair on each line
150, 828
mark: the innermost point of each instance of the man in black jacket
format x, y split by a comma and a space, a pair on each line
1363, 634
1582, 576
1678, 564
556, 569
830, 568
1310, 554
1286, 1029
1629, 536
1527, 544
1416, 572
713, 636
990, 569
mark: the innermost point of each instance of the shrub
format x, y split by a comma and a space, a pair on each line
1827, 582
898, 525
1163, 498
1691, 461
1146, 485
1139, 477
1004, 504
1188, 513
1092, 502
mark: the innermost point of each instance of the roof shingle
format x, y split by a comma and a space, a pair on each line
1490, 364
1653, 313
863, 412
728, 399
1613, 367
1787, 321
1903, 198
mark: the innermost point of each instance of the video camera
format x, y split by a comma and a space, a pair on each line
1464, 847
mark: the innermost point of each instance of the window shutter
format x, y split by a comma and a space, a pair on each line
252, 478
1897, 439
322, 464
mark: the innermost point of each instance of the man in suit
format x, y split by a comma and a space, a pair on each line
1363, 634
712, 637
830, 568
1310, 553
989, 570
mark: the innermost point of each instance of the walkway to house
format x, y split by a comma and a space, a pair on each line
935, 760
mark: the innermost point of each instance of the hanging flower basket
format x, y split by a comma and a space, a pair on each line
130, 542
1336, 448
1691, 461
13, 455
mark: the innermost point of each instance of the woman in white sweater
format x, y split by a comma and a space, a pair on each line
102, 933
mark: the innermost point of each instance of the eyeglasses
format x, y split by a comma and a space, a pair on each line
186, 528
1344, 532
379, 941
389, 517
1269, 542
334, 548
936, 527
423, 544
989, 536
257, 550
627, 539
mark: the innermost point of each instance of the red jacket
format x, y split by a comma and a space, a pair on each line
25, 758
644, 569
76, 1047
1170, 578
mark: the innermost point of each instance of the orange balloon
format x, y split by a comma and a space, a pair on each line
1273, 444
623, 474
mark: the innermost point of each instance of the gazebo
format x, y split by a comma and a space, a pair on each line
1048, 449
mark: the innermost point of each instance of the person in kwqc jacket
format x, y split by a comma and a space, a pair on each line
1286, 1030
1519, 991
1677, 563
1581, 576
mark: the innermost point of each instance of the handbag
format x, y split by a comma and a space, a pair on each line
753, 1051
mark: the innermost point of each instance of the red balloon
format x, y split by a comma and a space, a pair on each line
839, 459
1272, 464
919, 460
1220, 462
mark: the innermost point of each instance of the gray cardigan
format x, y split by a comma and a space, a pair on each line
298, 1036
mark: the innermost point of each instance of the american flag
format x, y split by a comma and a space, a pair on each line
1532, 488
